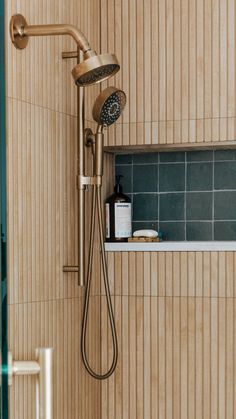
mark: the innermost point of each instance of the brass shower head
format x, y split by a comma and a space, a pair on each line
109, 105
94, 69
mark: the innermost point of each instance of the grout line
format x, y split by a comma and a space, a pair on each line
173, 296
158, 187
182, 221
185, 196
213, 196
173, 162
132, 195
35, 105
49, 300
122, 123
182, 192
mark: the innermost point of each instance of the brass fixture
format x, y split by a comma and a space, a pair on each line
108, 106
81, 191
43, 369
90, 69
106, 110
85, 72
97, 68
93, 69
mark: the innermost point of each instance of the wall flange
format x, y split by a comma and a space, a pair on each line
17, 27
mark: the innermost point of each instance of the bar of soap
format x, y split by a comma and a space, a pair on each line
145, 233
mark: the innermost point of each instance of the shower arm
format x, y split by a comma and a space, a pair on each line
20, 32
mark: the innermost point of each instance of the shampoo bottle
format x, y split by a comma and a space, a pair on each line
118, 215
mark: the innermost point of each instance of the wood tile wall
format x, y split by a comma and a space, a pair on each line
45, 306
177, 67
175, 311
175, 320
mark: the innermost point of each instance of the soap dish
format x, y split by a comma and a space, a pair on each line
143, 239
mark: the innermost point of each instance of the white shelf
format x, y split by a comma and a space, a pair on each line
211, 246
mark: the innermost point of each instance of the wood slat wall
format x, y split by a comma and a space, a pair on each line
45, 306
176, 330
177, 67
174, 311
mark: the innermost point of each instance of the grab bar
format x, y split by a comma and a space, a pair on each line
43, 368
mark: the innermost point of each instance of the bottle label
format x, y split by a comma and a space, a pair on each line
123, 220
107, 216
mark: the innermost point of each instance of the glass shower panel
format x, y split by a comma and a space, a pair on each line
3, 252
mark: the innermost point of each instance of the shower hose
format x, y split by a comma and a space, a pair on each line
96, 203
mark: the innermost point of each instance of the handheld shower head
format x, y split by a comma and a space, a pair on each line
95, 69
106, 110
108, 106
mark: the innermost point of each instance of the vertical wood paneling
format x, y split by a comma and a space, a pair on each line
178, 70
139, 71
58, 324
208, 70
180, 337
174, 311
198, 336
45, 306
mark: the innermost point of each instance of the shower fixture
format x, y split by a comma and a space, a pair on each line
106, 110
93, 69
108, 106
90, 69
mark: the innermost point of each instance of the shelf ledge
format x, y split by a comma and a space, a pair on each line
207, 246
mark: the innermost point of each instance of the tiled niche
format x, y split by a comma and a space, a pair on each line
187, 195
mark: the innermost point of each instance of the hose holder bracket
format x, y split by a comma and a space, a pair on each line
83, 181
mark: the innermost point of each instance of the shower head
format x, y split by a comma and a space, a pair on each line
109, 106
95, 69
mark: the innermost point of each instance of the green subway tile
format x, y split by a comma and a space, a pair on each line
171, 177
199, 206
145, 178
200, 155
173, 231
141, 179
123, 158
142, 158
225, 230
199, 176
145, 207
199, 231
126, 180
225, 205
178, 156
225, 175
171, 206
225, 155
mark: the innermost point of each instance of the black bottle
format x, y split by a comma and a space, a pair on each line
118, 215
